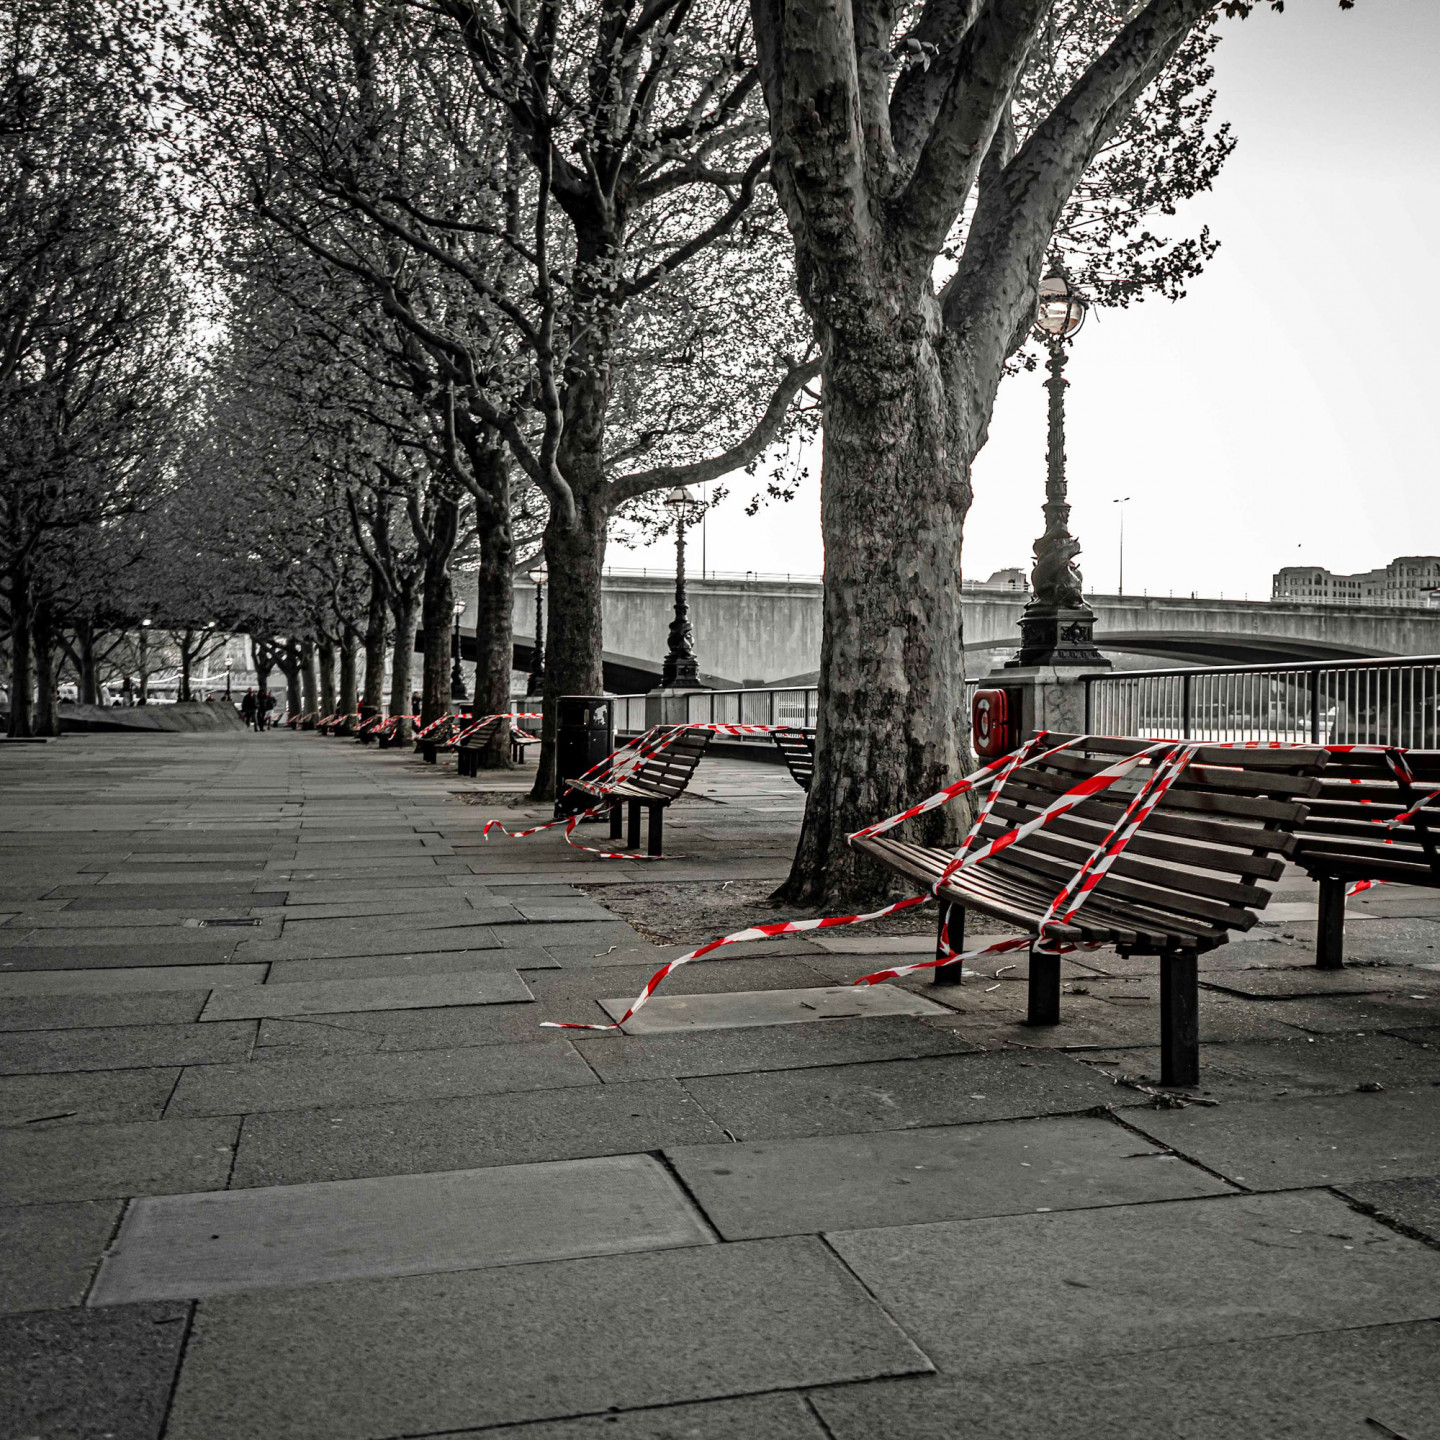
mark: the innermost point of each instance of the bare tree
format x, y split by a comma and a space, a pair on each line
927, 158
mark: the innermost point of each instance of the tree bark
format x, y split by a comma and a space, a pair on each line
438, 603
42, 640
22, 676
309, 681
347, 700
574, 557
88, 668
325, 655
186, 641
892, 671
494, 640
377, 624
401, 665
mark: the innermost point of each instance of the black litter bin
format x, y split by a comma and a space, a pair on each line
584, 736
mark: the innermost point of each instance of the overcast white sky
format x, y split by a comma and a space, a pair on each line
1286, 411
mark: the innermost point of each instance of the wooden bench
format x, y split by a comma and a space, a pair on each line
442, 738
475, 743
797, 747
1340, 841
657, 782
1192, 873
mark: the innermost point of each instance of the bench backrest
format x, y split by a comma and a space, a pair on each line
1219, 830
1341, 837
480, 737
668, 772
797, 746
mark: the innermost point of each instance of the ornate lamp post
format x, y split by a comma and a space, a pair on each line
681, 669
457, 678
536, 684
1058, 627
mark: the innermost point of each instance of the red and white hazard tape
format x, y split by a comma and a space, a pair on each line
1166, 770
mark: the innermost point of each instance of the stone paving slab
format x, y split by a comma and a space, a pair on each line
98, 1162
908, 1177
88, 1011
900, 1094
48, 1253
531, 1342
1327, 1386
288, 1148
137, 979
735, 1009
82, 1099
226, 1242
393, 1031
88, 923
200, 902
729, 1052
396, 992
124, 1047
391, 904
343, 944
305, 1082
1329, 1140
1142, 1277
429, 962
86, 1373
756, 1417
203, 950
1272, 1070
1301, 982
1412, 1204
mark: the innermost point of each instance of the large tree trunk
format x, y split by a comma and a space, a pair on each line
42, 638
325, 657
187, 639
22, 677
377, 625
494, 639
892, 673
88, 668
346, 700
574, 557
309, 681
438, 619
401, 664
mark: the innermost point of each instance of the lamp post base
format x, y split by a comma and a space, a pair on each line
1052, 635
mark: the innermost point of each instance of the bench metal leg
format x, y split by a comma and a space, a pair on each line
1330, 929
1179, 1018
632, 830
1044, 989
657, 828
617, 810
952, 926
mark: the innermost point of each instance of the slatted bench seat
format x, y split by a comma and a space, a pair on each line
1340, 841
519, 739
1196, 869
657, 782
797, 747
441, 740
475, 743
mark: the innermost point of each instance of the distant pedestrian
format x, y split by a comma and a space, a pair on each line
267, 704
247, 709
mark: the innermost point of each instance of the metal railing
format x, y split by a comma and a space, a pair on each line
1394, 701
781, 705
788, 705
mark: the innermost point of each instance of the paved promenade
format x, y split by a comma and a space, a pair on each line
286, 1156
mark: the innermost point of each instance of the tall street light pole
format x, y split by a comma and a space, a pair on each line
1057, 626
1122, 502
457, 676
536, 684
681, 669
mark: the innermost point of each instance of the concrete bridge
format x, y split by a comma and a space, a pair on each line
765, 629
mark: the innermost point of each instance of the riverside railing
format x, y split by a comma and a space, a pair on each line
1391, 701
797, 705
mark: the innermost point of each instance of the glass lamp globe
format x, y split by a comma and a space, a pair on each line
1060, 312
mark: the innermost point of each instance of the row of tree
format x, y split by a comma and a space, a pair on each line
420, 285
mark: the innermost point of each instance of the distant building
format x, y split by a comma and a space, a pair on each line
1406, 580
1012, 579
